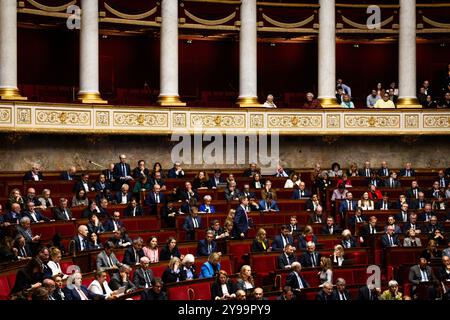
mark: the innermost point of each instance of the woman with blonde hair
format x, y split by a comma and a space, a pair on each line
260, 243
326, 274
365, 203
337, 258
307, 236
245, 279
173, 271
53, 264
353, 170
230, 215
211, 267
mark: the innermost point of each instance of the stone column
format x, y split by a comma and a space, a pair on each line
89, 57
327, 54
168, 95
8, 51
407, 56
247, 55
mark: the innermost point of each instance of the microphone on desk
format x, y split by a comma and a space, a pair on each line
95, 164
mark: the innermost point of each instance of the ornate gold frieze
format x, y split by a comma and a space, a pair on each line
257, 121
63, 117
411, 121
5, 115
178, 120
285, 121
218, 120
23, 116
436, 121
369, 121
333, 121
102, 118
140, 119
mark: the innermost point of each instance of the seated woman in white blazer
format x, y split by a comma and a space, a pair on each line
100, 286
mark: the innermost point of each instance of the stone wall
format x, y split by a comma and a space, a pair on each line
57, 152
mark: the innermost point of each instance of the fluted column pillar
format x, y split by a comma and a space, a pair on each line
248, 96
8, 51
89, 57
407, 56
327, 54
168, 95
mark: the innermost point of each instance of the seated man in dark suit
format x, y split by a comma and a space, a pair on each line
433, 225
102, 184
192, 223
391, 222
330, 227
217, 179
366, 171
347, 205
109, 174
34, 174
422, 273
124, 195
80, 292
154, 198
207, 246
84, 184
155, 293
268, 205
369, 228
348, 241
390, 239
392, 182
356, 218
340, 293
140, 170
133, 209
295, 280
427, 213
403, 215
120, 239
419, 203
81, 239
408, 171
69, 175
311, 258
384, 170
247, 193
134, 253
369, 293
413, 192
34, 215
301, 192
287, 258
412, 224
122, 279
62, 213
24, 229
325, 293
113, 223
384, 204
189, 192
442, 179
375, 180
176, 171
143, 275
231, 192
280, 241
251, 170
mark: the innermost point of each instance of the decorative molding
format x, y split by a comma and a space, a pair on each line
210, 22
215, 120
102, 118
372, 121
294, 121
108, 119
5, 115
140, 119
436, 121
288, 25
435, 23
127, 16
51, 9
76, 118
23, 116
364, 26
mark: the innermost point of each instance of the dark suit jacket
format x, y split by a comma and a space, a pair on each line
129, 257
306, 259
183, 272
66, 176
381, 173
321, 296
335, 295
202, 248
403, 172
296, 194
137, 173
277, 243
353, 242
39, 216
58, 214
213, 183
415, 275
23, 232
188, 226
365, 230
283, 261
240, 222
12, 217
352, 220
385, 240
172, 174
336, 230
139, 279
98, 186
73, 294
216, 289
80, 186
108, 175
291, 281
257, 246
344, 206
29, 176
410, 193
118, 172
150, 200
379, 205
362, 172
129, 211
396, 183
116, 282
78, 245
108, 225
118, 197
363, 294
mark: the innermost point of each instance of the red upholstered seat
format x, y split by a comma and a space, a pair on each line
238, 249
263, 263
4, 288
159, 269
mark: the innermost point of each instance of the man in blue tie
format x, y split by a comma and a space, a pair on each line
122, 172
